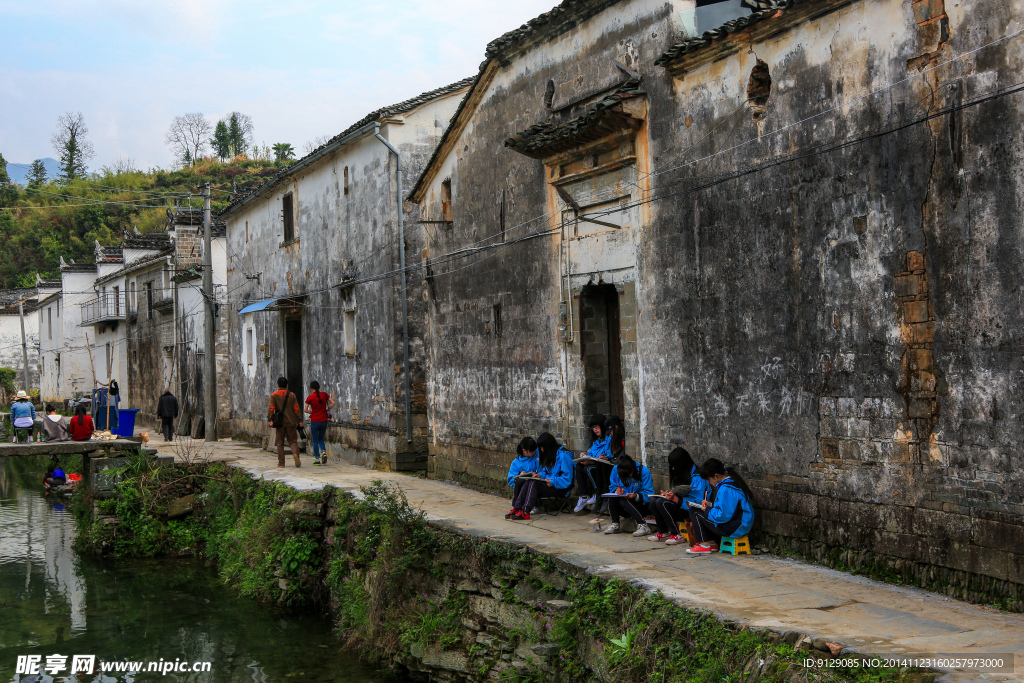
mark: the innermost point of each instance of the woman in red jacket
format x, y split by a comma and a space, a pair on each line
81, 425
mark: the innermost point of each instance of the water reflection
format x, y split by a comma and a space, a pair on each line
52, 602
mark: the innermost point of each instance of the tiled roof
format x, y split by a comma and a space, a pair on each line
543, 139
47, 283
153, 240
135, 265
111, 254
383, 113
11, 297
765, 9
191, 216
72, 267
566, 15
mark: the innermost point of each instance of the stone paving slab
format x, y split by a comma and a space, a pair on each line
871, 617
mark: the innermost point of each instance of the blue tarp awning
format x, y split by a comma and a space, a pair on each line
258, 306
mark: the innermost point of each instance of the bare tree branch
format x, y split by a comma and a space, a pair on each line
188, 137
69, 141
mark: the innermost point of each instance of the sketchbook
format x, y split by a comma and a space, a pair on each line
696, 506
528, 477
588, 459
613, 495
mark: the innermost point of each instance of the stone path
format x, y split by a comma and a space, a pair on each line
870, 617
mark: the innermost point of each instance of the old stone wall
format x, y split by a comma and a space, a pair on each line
824, 262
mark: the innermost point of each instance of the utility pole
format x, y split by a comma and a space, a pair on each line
210, 357
24, 344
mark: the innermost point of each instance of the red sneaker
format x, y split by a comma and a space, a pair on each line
523, 514
511, 513
702, 548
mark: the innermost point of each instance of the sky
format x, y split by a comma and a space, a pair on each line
301, 68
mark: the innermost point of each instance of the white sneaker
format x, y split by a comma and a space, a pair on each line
536, 511
580, 504
613, 528
658, 538
642, 530
592, 500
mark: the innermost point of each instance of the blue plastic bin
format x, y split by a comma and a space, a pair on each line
126, 421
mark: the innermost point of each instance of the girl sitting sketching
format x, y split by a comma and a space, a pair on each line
525, 464
553, 477
730, 514
632, 481
687, 486
591, 478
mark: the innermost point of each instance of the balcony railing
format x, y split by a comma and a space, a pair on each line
104, 308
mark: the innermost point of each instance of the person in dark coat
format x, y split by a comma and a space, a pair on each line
167, 411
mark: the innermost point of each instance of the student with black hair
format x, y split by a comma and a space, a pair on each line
633, 482
730, 513
615, 431
592, 478
524, 464
687, 486
554, 477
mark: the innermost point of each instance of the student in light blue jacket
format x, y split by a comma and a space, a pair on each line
524, 464
730, 514
687, 487
592, 478
554, 477
633, 482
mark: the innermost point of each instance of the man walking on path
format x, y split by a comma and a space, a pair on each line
167, 411
284, 415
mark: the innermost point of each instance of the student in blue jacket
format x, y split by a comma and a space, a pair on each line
687, 486
633, 481
731, 513
591, 478
525, 463
554, 469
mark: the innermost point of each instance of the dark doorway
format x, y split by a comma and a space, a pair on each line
293, 356
601, 350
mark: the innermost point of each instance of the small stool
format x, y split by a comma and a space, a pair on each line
682, 532
734, 545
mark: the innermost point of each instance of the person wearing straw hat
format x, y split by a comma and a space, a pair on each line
23, 417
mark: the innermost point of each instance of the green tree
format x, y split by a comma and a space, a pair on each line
36, 175
69, 141
239, 132
221, 141
8, 190
283, 151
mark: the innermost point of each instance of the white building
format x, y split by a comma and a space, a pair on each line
11, 355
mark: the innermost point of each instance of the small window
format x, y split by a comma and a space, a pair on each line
117, 301
247, 231
350, 333
149, 300
249, 345
49, 322
289, 218
345, 176
446, 200
132, 303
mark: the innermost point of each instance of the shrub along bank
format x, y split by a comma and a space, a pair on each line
428, 600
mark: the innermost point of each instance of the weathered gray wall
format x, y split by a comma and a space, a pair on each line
843, 327
340, 235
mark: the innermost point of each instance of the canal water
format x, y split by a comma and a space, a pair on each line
53, 602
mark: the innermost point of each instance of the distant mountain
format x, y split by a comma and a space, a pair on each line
18, 171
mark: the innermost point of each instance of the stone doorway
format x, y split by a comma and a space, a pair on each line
601, 350
293, 356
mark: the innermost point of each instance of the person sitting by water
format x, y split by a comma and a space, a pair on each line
55, 476
687, 486
730, 513
23, 417
55, 426
632, 481
524, 464
553, 477
81, 426
591, 478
